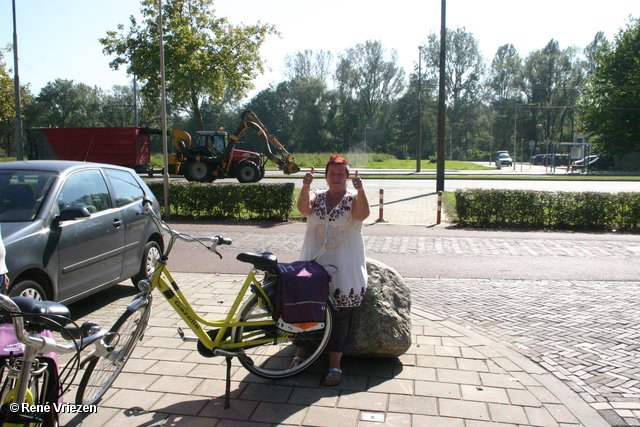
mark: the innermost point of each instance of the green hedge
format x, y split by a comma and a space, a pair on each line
545, 209
193, 200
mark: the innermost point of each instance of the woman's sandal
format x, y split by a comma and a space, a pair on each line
296, 361
333, 378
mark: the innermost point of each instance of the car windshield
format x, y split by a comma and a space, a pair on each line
503, 155
22, 193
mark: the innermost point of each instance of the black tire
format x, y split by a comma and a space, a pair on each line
274, 359
123, 337
262, 172
150, 257
198, 171
29, 288
247, 171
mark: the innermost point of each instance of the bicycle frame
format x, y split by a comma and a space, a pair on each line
220, 343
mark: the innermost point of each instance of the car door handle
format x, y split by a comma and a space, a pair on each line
117, 223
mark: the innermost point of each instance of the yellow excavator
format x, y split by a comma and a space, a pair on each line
214, 154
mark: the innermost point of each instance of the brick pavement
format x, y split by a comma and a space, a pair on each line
451, 376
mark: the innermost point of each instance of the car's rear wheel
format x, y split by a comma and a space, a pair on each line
28, 288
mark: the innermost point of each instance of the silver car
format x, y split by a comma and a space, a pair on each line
72, 228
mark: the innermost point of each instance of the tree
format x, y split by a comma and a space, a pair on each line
611, 104
6, 92
464, 70
504, 74
206, 58
590, 52
7, 108
550, 82
367, 83
63, 103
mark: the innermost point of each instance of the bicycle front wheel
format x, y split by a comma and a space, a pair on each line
101, 372
275, 359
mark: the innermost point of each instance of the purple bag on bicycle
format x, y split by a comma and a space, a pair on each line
302, 293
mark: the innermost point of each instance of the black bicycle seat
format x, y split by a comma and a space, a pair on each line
49, 314
262, 260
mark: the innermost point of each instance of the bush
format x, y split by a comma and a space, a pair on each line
544, 209
197, 201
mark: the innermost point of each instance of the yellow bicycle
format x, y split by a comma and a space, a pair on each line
247, 332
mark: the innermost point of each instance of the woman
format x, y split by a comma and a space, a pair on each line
334, 237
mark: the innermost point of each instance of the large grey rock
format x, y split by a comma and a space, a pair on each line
382, 324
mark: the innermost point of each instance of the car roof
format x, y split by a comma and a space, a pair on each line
60, 166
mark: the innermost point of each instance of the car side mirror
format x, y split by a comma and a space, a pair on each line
72, 213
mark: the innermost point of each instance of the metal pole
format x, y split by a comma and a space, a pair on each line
163, 109
16, 89
419, 148
441, 101
515, 137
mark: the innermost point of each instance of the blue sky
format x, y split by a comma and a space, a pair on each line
59, 38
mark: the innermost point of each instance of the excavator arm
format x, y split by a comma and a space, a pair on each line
283, 159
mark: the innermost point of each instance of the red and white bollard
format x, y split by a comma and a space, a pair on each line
439, 211
381, 207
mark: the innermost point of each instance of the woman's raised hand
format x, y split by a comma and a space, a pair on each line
308, 177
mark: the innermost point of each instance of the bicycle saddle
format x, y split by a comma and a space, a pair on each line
262, 260
49, 314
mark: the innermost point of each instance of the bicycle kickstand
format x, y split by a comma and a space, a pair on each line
227, 396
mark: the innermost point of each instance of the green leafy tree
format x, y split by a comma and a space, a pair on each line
308, 99
551, 81
7, 109
118, 109
206, 58
367, 83
465, 70
64, 103
611, 105
504, 74
6, 92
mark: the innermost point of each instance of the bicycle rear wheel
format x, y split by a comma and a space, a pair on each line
274, 359
101, 372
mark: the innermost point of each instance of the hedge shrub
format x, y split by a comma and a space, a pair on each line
546, 209
198, 201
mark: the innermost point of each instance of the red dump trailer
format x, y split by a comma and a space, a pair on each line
124, 146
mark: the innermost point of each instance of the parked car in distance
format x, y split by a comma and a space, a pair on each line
71, 229
594, 162
539, 159
503, 158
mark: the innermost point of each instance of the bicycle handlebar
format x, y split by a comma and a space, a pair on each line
45, 344
175, 235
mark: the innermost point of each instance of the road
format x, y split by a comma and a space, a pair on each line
442, 252
453, 183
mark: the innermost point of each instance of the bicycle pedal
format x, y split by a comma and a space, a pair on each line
185, 338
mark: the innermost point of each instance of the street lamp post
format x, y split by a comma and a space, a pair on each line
16, 83
419, 148
515, 137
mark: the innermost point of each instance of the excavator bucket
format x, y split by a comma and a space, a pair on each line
289, 167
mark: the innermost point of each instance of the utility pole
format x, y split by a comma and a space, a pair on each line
419, 148
16, 83
163, 109
441, 102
